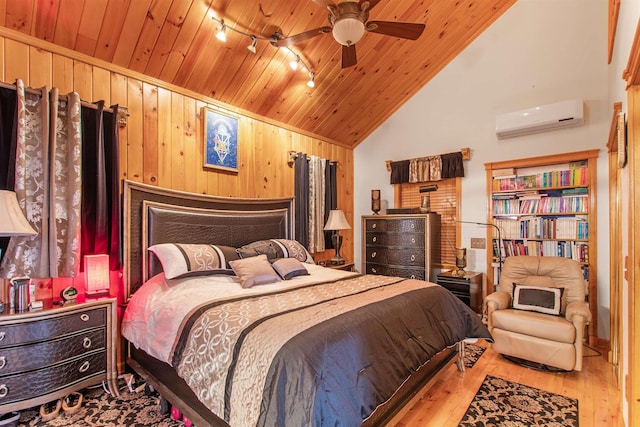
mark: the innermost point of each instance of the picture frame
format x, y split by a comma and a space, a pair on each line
220, 139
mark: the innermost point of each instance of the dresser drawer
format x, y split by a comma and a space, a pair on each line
28, 332
40, 355
403, 225
395, 239
403, 257
14, 388
390, 270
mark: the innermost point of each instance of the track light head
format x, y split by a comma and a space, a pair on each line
252, 46
222, 32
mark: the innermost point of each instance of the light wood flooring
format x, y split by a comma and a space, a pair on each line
444, 401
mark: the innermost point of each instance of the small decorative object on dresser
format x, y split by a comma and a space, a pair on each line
375, 201
425, 204
47, 354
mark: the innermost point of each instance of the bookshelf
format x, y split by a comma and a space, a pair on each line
544, 206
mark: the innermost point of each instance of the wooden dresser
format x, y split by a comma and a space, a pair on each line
49, 353
401, 245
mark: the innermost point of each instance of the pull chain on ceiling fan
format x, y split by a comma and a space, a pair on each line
348, 22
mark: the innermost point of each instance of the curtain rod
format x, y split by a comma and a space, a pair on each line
466, 155
294, 155
64, 97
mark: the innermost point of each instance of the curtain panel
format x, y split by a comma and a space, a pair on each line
49, 171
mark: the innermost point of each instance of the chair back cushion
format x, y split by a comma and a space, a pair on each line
555, 272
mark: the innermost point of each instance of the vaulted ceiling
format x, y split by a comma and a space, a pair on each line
174, 41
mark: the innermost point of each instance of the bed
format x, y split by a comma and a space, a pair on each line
231, 345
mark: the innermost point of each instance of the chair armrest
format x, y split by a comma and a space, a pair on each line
577, 308
498, 300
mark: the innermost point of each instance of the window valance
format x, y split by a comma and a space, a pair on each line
430, 168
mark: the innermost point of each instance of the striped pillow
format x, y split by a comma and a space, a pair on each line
182, 259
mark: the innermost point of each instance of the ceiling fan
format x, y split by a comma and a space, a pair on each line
348, 22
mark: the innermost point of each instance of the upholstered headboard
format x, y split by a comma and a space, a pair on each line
153, 215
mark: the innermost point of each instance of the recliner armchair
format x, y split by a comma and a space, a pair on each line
527, 332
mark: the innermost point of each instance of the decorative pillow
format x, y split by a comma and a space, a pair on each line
537, 298
182, 259
288, 268
254, 271
276, 248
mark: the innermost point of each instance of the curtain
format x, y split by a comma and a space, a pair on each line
47, 173
100, 178
65, 185
330, 197
29, 255
8, 100
301, 192
316, 203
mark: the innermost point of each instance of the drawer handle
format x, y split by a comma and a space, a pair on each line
4, 390
375, 239
413, 240
413, 225
2, 334
84, 367
84, 317
413, 276
413, 257
373, 270
86, 342
3, 361
374, 254
374, 225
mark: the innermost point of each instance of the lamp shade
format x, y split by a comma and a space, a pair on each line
96, 274
348, 31
12, 220
336, 221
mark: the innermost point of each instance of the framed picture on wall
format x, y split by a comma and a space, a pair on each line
220, 139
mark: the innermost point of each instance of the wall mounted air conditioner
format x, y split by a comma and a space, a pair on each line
539, 119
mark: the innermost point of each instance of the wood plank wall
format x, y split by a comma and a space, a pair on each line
162, 141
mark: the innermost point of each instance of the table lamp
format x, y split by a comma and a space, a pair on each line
336, 222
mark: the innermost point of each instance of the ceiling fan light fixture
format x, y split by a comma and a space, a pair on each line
348, 31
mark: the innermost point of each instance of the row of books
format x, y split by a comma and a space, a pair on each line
578, 251
574, 227
543, 205
565, 178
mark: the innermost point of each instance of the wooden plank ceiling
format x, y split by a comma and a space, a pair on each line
174, 41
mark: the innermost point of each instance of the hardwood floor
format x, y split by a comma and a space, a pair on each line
444, 401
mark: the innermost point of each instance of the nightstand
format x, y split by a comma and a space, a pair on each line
466, 287
349, 266
49, 353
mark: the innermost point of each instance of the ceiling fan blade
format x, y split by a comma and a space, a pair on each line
297, 38
404, 30
372, 3
349, 58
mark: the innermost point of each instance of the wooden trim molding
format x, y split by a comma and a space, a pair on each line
612, 143
631, 73
614, 10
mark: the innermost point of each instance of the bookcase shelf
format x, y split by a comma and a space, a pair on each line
544, 206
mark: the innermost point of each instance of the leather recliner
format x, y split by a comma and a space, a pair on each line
547, 339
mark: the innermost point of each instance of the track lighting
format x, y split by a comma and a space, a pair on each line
222, 32
296, 64
252, 46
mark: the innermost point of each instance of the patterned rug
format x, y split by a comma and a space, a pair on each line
500, 402
136, 409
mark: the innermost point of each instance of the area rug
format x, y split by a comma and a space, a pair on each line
472, 353
499, 402
101, 409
